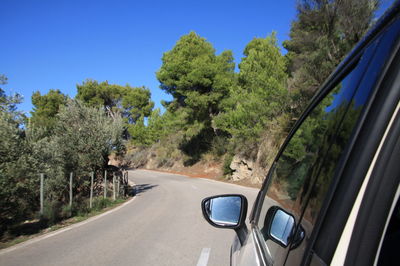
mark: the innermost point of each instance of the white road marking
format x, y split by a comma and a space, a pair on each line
39, 238
194, 187
203, 260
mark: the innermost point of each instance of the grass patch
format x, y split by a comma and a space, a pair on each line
33, 228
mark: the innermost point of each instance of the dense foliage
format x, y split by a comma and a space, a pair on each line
324, 32
198, 80
46, 107
132, 103
80, 141
260, 95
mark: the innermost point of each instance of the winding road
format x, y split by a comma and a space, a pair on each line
161, 225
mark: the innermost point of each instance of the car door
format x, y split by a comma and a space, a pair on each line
352, 171
307, 167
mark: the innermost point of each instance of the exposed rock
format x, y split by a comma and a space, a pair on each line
246, 169
242, 168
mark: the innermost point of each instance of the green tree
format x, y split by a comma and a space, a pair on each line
46, 107
157, 127
131, 102
320, 37
136, 103
261, 94
103, 94
17, 183
83, 139
15, 189
8, 103
197, 78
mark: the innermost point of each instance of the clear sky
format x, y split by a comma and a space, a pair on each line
51, 44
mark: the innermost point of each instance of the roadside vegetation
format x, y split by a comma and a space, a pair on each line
51, 221
218, 112
223, 115
62, 136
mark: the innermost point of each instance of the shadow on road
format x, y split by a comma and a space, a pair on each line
143, 188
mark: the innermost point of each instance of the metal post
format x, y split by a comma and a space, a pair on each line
118, 185
114, 187
70, 189
91, 190
41, 193
105, 184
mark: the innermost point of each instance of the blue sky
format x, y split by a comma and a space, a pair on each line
58, 44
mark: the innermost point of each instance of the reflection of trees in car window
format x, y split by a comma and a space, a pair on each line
313, 151
316, 145
303, 156
336, 147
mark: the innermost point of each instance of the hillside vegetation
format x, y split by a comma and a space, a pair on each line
240, 118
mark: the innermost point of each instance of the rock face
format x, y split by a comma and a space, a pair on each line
242, 169
246, 169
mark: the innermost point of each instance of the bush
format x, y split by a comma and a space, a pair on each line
227, 164
100, 203
81, 208
52, 212
66, 211
219, 145
137, 158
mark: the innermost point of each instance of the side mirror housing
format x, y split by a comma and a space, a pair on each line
226, 211
281, 228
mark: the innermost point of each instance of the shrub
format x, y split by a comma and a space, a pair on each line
52, 212
227, 164
100, 203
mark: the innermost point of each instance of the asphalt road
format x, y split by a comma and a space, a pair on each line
162, 225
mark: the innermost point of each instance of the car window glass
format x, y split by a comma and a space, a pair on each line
319, 189
337, 144
300, 163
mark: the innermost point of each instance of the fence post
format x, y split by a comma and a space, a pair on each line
118, 184
70, 189
41, 193
125, 182
105, 184
91, 190
114, 186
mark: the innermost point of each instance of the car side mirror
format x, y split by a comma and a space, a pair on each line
281, 228
227, 211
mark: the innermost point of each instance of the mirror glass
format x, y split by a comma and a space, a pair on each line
282, 227
224, 211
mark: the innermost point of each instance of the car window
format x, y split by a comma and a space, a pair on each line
355, 107
294, 180
387, 43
